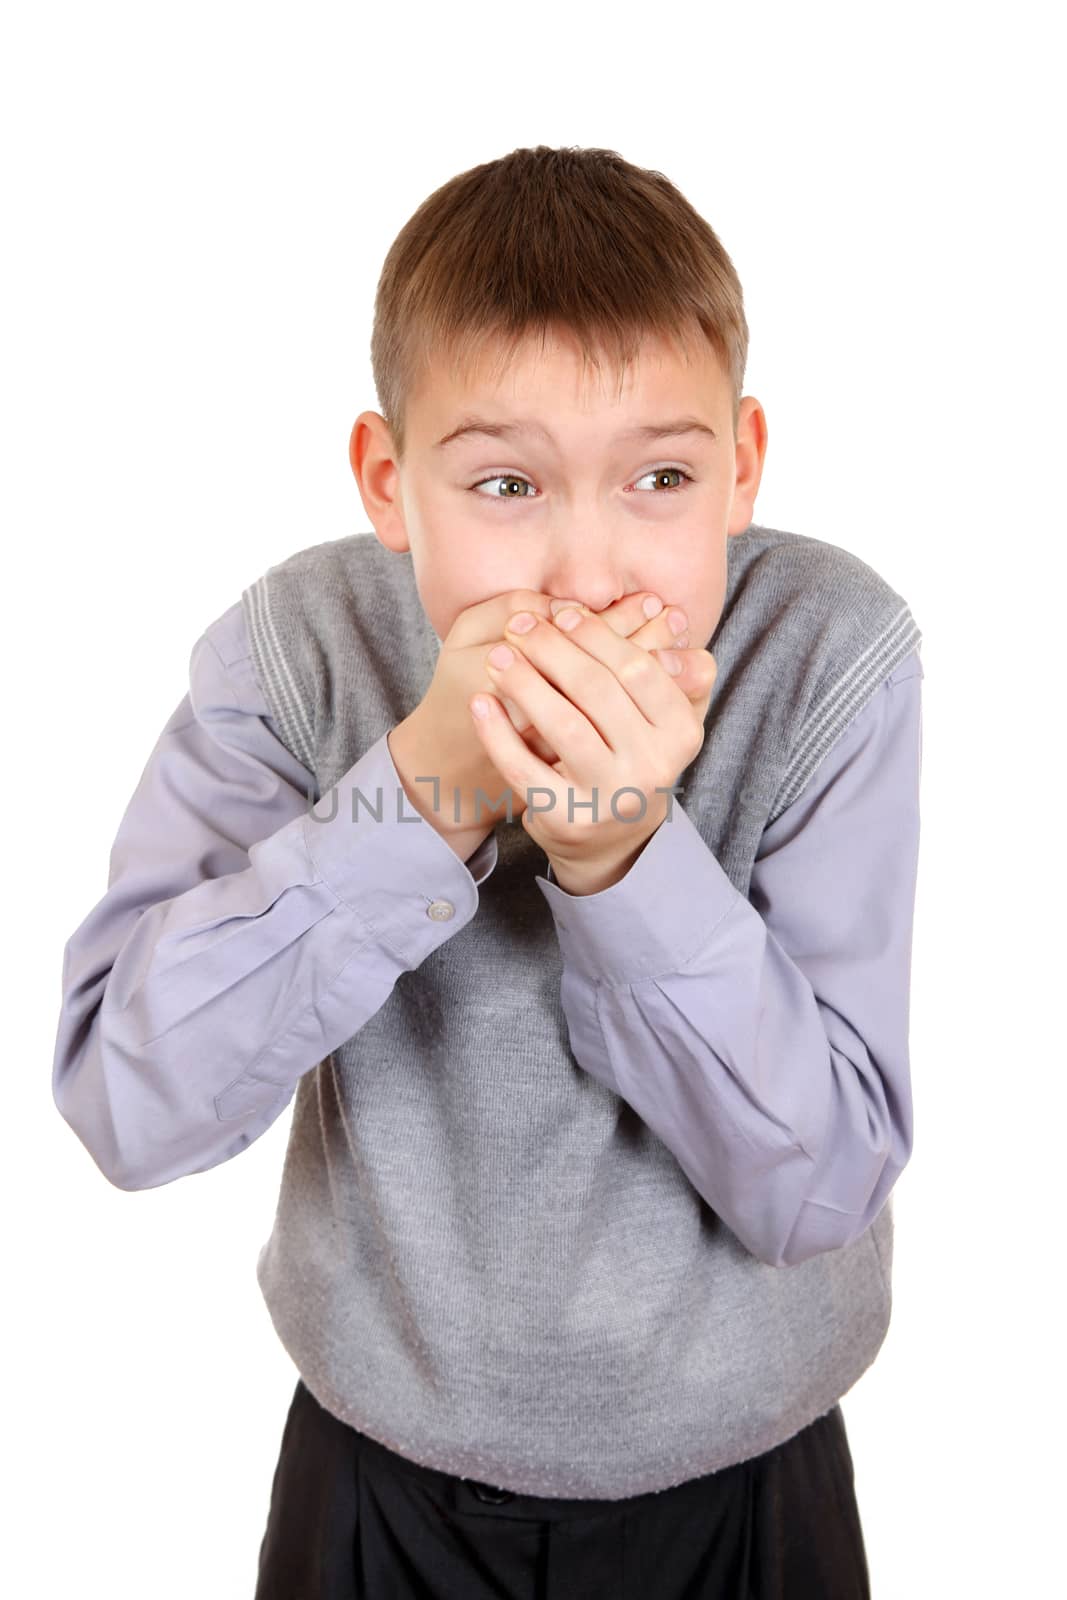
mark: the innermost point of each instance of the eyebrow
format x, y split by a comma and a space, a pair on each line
646, 430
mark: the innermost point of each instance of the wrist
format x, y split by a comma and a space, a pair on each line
434, 793
592, 876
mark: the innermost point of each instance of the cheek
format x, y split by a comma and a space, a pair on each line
447, 591
712, 597
698, 585
482, 573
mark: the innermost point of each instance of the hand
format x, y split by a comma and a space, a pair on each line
629, 620
438, 756
625, 730
438, 739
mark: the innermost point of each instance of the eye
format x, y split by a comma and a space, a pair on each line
510, 493
664, 472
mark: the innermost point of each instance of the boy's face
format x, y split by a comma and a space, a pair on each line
585, 514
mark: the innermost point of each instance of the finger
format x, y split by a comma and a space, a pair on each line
484, 622
525, 728
519, 720
659, 631
657, 635
669, 631
630, 617
517, 764
559, 717
640, 616
594, 668
644, 619
535, 741
626, 616
696, 673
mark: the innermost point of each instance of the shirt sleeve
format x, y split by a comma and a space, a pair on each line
245, 933
765, 1040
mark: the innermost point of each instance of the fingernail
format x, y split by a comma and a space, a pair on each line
521, 622
568, 620
557, 605
677, 621
653, 606
501, 656
673, 664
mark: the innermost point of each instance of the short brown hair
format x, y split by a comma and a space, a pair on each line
545, 238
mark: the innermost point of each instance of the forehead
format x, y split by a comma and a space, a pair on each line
504, 375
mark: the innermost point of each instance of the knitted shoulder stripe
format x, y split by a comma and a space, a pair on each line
843, 701
275, 673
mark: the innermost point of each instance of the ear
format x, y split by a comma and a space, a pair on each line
372, 454
749, 451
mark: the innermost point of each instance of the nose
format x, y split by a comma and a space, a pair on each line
585, 568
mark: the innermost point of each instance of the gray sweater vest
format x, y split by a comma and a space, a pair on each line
481, 1256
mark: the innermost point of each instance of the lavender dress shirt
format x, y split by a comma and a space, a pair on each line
224, 942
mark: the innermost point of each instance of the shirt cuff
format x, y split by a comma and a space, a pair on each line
653, 920
484, 859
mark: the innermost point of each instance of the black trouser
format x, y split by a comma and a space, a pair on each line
349, 1518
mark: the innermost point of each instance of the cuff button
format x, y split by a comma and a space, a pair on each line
441, 910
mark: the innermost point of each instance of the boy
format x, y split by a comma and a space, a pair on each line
594, 1007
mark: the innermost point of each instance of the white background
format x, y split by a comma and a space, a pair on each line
198, 200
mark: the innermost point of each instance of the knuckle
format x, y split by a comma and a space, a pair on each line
570, 725
636, 668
